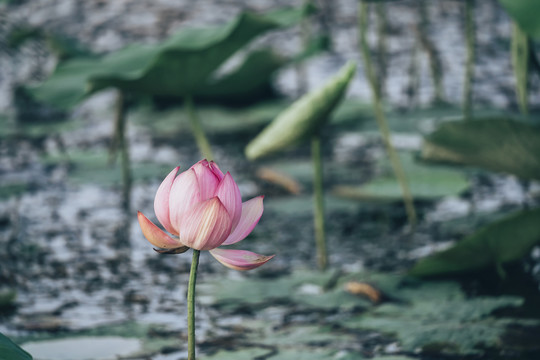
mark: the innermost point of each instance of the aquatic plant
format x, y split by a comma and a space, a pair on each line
202, 208
380, 117
181, 67
302, 120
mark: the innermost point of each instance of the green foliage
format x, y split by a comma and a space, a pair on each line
495, 144
426, 183
435, 326
93, 167
505, 240
257, 293
525, 13
436, 317
222, 120
179, 66
243, 354
520, 63
429, 316
303, 205
249, 82
11, 351
6, 191
303, 118
10, 129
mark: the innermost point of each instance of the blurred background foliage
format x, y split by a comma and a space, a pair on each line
380, 172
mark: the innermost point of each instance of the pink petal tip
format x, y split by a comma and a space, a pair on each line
155, 235
240, 259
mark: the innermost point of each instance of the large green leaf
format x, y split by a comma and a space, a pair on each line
11, 351
495, 144
426, 183
178, 66
506, 240
303, 117
249, 82
525, 13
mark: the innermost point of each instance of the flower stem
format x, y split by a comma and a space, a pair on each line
200, 137
380, 117
191, 304
318, 189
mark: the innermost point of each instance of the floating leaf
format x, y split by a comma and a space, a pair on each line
248, 83
302, 118
525, 13
10, 350
93, 167
505, 240
426, 183
179, 66
437, 317
494, 144
520, 63
242, 354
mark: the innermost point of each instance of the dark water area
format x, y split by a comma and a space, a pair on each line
75, 267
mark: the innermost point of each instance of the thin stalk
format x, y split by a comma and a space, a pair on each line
469, 65
318, 202
380, 117
191, 304
382, 48
520, 49
200, 137
305, 33
435, 63
123, 144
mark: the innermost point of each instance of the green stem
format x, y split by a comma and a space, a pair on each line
469, 66
382, 49
191, 304
200, 137
123, 144
520, 62
380, 117
318, 192
435, 63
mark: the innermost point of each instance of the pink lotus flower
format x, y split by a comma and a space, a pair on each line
203, 209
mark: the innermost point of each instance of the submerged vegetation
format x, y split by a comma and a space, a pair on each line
425, 211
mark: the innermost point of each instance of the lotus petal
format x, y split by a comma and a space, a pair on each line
178, 250
240, 259
229, 195
216, 170
183, 196
155, 235
161, 202
206, 178
206, 225
251, 213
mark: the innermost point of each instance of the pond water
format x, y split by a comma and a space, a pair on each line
84, 278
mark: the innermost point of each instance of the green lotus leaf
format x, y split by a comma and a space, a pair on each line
500, 145
426, 183
505, 240
179, 66
525, 13
303, 118
10, 350
249, 82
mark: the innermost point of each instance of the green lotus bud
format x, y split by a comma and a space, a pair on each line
303, 118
